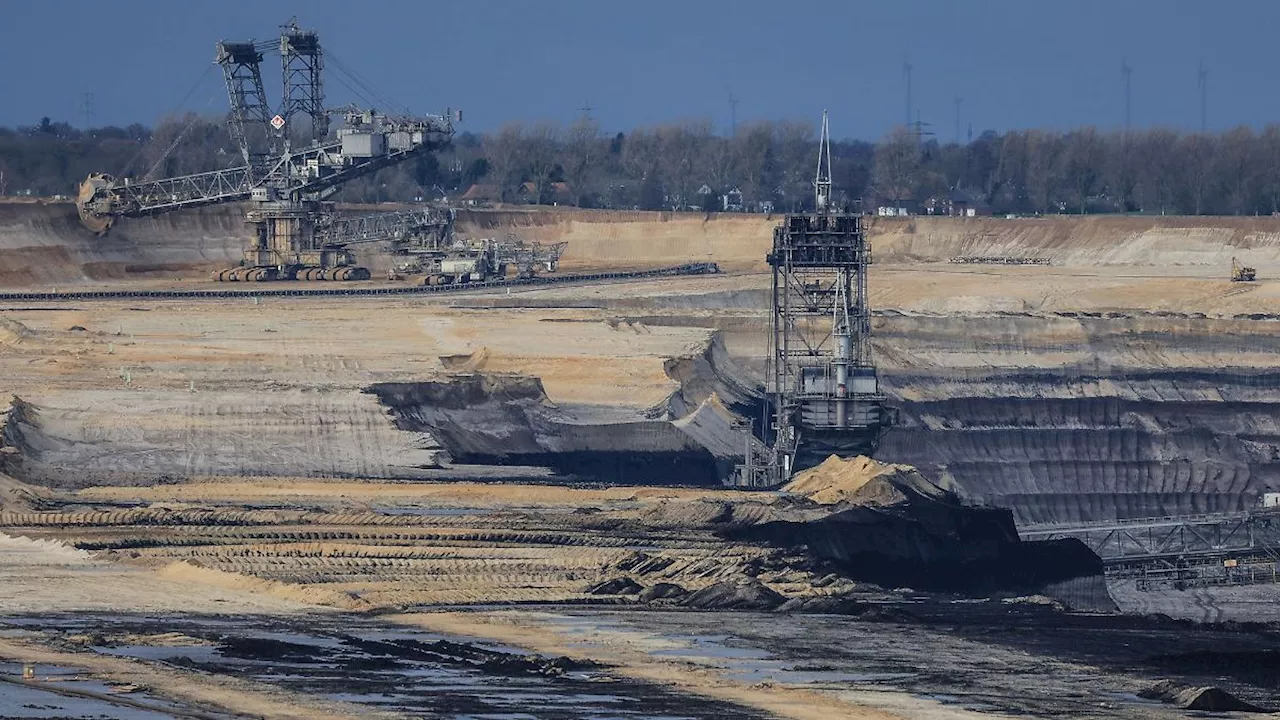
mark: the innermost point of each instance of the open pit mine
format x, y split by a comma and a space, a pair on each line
432, 505
630, 464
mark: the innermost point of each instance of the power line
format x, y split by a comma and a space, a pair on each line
918, 129
370, 93
172, 113
88, 109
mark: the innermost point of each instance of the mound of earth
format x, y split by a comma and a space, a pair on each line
746, 593
616, 586
469, 362
1189, 697
662, 591
863, 481
889, 525
17, 496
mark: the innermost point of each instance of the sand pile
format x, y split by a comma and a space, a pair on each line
40, 551
863, 481
186, 572
13, 332
473, 361
17, 496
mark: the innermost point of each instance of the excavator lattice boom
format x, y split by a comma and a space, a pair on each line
294, 234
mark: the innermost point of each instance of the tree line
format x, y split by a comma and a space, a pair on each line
762, 166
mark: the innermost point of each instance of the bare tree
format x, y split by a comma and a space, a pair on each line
1196, 155
797, 155
641, 163
682, 154
755, 161
506, 155
722, 164
1120, 168
1157, 171
1236, 168
583, 151
897, 170
1082, 164
1269, 178
542, 151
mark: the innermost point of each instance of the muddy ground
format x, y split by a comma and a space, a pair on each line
920, 657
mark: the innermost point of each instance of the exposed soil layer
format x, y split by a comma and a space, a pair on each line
1087, 418
485, 419
44, 243
503, 420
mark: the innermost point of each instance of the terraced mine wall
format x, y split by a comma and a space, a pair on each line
498, 420
43, 243
1066, 418
1069, 416
1083, 241
488, 419
1113, 444
1059, 416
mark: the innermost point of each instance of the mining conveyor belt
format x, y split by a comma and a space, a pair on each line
294, 289
1183, 551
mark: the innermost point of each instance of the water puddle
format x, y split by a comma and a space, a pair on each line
63, 693
357, 660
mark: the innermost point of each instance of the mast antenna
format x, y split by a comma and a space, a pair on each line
822, 181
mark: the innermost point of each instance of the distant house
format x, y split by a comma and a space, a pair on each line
905, 207
732, 201
479, 194
561, 193
966, 204
556, 193
957, 203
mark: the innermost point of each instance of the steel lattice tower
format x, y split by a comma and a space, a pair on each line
825, 392
240, 62
301, 64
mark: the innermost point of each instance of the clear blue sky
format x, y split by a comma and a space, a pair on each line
1017, 63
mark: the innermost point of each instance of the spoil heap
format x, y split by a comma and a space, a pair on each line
890, 525
839, 480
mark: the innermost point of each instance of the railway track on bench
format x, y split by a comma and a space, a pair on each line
267, 289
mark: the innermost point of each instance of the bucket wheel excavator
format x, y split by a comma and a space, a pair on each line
294, 231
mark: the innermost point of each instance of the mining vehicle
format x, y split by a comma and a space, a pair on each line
1242, 273
444, 259
292, 226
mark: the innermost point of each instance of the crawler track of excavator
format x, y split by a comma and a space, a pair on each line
294, 290
243, 274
